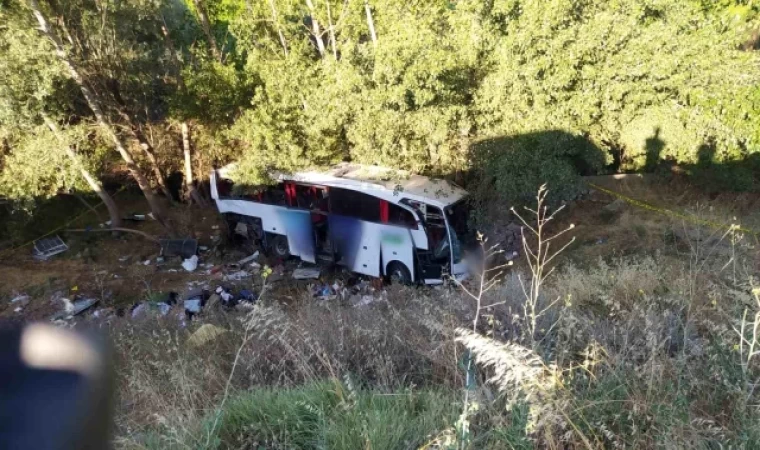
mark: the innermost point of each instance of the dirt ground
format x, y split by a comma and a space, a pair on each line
123, 270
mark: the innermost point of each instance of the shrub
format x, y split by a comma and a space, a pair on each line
509, 170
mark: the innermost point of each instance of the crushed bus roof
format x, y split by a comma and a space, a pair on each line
399, 183
382, 181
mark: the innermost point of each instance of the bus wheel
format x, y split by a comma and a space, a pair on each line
399, 274
279, 246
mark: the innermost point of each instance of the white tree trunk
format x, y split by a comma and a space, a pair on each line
277, 26
315, 29
94, 105
332, 31
206, 25
192, 193
370, 22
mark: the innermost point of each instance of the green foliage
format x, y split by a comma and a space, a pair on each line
511, 169
641, 81
38, 168
214, 92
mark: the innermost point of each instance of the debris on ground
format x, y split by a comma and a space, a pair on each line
20, 301
358, 301
191, 263
146, 262
162, 307
20, 298
248, 296
247, 299
324, 291
248, 259
136, 217
306, 273
237, 276
74, 308
225, 296
48, 247
184, 248
195, 302
205, 334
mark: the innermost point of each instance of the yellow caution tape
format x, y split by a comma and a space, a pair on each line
668, 212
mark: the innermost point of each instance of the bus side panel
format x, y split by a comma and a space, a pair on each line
272, 219
300, 233
396, 244
357, 243
419, 238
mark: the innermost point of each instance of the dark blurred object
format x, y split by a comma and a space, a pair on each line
185, 248
55, 389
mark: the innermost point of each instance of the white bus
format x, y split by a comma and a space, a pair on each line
374, 221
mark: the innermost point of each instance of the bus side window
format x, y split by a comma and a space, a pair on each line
274, 195
224, 187
400, 216
349, 203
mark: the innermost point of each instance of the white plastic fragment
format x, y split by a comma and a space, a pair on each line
191, 263
248, 259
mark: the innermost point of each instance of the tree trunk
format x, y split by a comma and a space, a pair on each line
94, 105
315, 29
142, 140
151, 154
332, 31
370, 23
206, 26
173, 53
192, 194
279, 30
113, 210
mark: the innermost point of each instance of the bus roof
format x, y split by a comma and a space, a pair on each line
384, 182
389, 184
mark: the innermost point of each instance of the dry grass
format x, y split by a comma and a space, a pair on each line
641, 352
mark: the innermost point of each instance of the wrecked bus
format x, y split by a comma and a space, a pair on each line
374, 221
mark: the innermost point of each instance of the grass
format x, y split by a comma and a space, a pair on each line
319, 415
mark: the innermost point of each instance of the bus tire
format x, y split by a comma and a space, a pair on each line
278, 246
398, 273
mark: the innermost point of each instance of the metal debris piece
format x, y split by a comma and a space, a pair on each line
75, 308
185, 248
248, 259
48, 247
306, 273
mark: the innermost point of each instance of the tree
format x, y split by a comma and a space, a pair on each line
32, 81
97, 110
